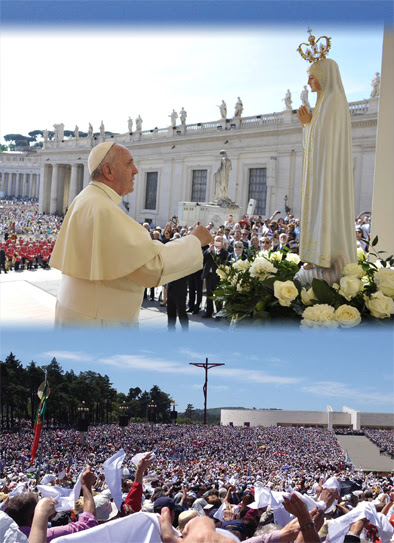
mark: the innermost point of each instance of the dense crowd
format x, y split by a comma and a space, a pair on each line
384, 439
197, 471
27, 236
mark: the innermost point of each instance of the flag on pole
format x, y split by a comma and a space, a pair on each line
39, 421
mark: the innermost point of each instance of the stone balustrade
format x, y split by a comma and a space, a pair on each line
283, 117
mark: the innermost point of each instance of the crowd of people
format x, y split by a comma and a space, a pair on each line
232, 241
27, 236
237, 478
383, 439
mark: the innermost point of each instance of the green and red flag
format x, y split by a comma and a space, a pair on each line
39, 419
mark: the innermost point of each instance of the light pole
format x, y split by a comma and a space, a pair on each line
83, 422
151, 413
174, 413
123, 419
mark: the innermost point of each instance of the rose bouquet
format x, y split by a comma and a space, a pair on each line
265, 287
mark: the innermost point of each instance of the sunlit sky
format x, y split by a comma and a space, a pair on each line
285, 368
80, 73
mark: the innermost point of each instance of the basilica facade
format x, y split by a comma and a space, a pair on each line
178, 163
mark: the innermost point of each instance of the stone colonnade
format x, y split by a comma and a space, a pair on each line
60, 185
25, 185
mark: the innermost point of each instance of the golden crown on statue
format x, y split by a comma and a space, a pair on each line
314, 51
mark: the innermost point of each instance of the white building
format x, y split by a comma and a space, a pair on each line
177, 164
20, 174
327, 419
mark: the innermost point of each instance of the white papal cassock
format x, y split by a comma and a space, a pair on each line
107, 259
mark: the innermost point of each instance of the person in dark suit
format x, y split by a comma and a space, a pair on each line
2, 259
214, 255
238, 254
176, 303
283, 243
237, 237
195, 292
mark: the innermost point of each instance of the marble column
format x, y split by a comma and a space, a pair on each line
38, 184
18, 182
63, 188
44, 191
13, 184
73, 184
54, 189
6, 183
24, 191
86, 175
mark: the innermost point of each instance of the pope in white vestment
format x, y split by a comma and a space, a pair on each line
107, 258
327, 237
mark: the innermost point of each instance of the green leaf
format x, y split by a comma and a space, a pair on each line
260, 306
324, 293
298, 285
375, 241
269, 282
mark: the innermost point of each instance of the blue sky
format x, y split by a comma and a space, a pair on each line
282, 368
94, 61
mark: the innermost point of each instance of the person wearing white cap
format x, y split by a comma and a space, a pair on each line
107, 258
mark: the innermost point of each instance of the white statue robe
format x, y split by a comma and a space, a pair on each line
107, 259
327, 237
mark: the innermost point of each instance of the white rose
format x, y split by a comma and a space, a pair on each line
361, 256
241, 265
350, 286
354, 270
223, 273
319, 315
235, 280
276, 256
285, 291
379, 305
262, 268
384, 279
307, 296
242, 288
263, 253
347, 316
293, 257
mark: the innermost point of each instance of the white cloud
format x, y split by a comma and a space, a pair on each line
145, 363
255, 376
68, 355
334, 389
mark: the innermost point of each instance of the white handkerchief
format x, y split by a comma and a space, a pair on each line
338, 528
113, 476
9, 530
219, 513
385, 529
64, 497
139, 527
47, 478
20, 487
136, 459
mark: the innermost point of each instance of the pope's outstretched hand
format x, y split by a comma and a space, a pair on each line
202, 234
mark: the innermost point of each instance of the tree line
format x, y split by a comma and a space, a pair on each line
71, 395
22, 142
